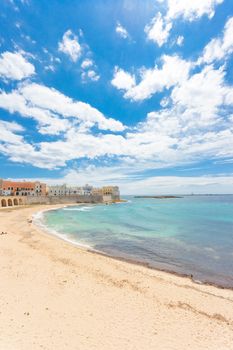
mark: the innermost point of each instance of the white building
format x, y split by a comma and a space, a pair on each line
64, 190
58, 190
72, 191
87, 189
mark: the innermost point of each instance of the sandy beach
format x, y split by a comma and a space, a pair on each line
54, 295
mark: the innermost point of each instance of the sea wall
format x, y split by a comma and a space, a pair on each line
63, 199
11, 201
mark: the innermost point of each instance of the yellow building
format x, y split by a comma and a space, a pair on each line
97, 191
110, 193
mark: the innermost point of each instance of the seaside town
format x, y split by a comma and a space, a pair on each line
14, 193
116, 174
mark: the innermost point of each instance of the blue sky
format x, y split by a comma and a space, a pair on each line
129, 92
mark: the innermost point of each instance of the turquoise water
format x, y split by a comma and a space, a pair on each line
189, 235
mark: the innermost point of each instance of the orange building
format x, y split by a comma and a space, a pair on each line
22, 188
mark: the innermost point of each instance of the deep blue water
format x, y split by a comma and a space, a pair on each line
189, 235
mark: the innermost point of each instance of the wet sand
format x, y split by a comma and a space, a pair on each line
54, 295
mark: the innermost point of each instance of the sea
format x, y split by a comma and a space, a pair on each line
191, 235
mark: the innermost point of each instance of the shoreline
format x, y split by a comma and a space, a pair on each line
119, 258
57, 295
54, 233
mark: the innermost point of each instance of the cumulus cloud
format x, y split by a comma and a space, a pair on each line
9, 130
219, 48
160, 27
14, 66
158, 30
13, 145
87, 63
203, 93
47, 106
173, 71
93, 75
121, 31
191, 10
48, 122
192, 129
123, 80
89, 72
70, 45
191, 126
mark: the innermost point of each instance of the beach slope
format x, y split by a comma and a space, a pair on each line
54, 295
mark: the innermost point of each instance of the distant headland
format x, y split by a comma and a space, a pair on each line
158, 197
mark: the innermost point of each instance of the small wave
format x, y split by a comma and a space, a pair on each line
78, 209
40, 214
126, 201
67, 238
38, 221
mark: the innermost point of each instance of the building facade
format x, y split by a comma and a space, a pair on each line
38, 189
111, 193
22, 188
64, 190
57, 190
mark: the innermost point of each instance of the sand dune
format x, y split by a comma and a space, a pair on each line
56, 296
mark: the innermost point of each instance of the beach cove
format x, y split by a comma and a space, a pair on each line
56, 295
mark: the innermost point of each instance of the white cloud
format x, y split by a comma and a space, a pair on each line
50, 67
14, 66
202, 94
9, 130
13, 5
13, 145
70, 45
180, 40
160, 27
44, 104
219, 48
123, 80
48, 123
158, 30
87, 63
173, 71
121, 31
90, 75
174, 136
191, 10
28, 38
89, 71
192, 126
93, 75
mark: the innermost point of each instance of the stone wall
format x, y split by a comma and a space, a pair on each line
64, 199
11, 201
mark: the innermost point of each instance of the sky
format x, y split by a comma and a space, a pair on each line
129, 92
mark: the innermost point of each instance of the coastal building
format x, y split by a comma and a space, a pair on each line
64, 190
110, 193
44, 194
22, 188
72, 191
87, 190
97, 191
57, 190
